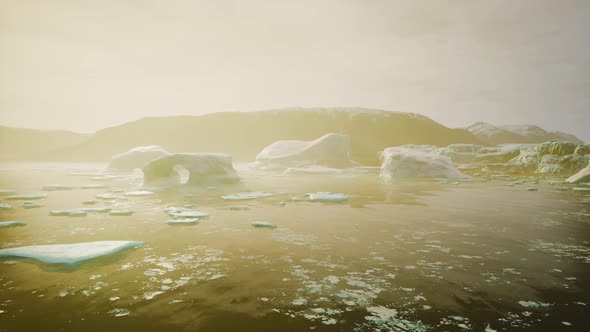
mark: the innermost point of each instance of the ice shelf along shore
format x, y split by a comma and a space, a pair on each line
70, 253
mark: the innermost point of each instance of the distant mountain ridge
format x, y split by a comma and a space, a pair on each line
244, 134
494, 135
34, 144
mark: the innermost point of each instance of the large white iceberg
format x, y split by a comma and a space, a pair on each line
582, 176
70, 253
204, 168
136, 158
331, 150
400, 162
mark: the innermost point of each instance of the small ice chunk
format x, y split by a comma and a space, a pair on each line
107, 196
53, 187
4, 224
94, 186
326, 197
187, 214
138, 193
5, 207
119, 312
28, 197
121, 212
70, 253
299, 301
262, 224
114, 298
566, 323
532, 304
4, 192
31, 205
238, 207
188, 221
246, 196
330, 321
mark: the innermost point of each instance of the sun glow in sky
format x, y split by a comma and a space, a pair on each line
86, 65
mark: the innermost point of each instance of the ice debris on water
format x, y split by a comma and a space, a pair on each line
246, 196
31, 205
533, 304
4, 224
28, 197
81, 212
121, 212
5, 207
119, 312
326, 197
179, 213
139, 193
238, 207
187, 221
54, 187
262, 224
70, 253
4, 192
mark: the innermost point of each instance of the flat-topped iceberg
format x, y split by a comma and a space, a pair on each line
246, 196
326, 197
205, 169
28, 197
582, 176
5, 224
400, 162
331, 150
135, 158
70, 253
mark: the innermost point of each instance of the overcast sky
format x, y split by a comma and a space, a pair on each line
84, 65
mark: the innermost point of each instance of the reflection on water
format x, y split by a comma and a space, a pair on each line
405, 256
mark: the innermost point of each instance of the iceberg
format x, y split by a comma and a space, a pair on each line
326, 197
26, 197
136, 158
330, 150
400, 162
582, 176
188, 221
262, 224
246, 196
70, 253
5, 224
205, 169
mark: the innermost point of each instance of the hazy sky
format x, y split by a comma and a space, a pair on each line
84, 65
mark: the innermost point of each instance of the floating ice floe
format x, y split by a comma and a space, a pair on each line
107, 196
28, 197
70, 253
262, 224
326, 197
4, 192
205, 169
121, 212
238, 207
54, 187
94, 186
138, 193
81, 212
246, 196
5, 206
31, 205
187, 221
533, 304
177, 213
399, 162
5, 224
